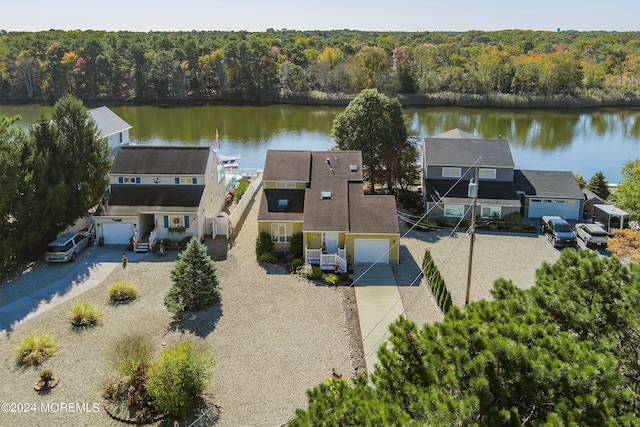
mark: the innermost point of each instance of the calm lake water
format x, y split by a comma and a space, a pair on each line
583, 142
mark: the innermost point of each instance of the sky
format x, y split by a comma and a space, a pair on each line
365, 15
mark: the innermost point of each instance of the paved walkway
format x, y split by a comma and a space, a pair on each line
90, 271
379, 305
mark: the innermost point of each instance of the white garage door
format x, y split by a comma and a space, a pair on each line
569, 209
117, 233
371, 250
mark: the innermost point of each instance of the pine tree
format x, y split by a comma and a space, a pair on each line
598, 184
195, 280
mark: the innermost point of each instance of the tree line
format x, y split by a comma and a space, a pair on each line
284, 65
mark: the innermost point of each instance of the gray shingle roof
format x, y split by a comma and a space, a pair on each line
330, 214
287, 165
371, 213
465, 152
127, 200
108, 122
456, 134
270, 211
556, 184
345, 208
137, 160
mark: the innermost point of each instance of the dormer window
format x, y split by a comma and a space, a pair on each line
326, 195
353, 168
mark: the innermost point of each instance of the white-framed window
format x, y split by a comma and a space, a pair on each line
281, 232
487, 211
129, 180
285, 184
451, 172
487, 173
186, 180
456, 211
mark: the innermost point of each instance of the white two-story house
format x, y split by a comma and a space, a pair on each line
160, 192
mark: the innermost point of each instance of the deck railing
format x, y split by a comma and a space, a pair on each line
337, 262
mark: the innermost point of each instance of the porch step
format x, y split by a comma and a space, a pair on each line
142, 247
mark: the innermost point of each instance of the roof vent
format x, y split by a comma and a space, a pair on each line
326, 195
353, 168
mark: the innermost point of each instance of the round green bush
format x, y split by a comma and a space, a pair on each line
296, 263
331, 279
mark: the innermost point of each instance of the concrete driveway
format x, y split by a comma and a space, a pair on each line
45, 285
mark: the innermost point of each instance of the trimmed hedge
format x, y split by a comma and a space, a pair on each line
436, 282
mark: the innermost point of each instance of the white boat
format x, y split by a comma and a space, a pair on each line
229, 162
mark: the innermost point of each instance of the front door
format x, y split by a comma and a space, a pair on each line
331, 242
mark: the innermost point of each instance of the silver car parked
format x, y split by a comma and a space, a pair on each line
66, 247
592, 235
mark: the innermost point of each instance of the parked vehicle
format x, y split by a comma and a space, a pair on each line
558, 231
592, 234
610, 217
67, 247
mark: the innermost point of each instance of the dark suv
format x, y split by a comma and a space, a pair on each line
558, 231
66, 247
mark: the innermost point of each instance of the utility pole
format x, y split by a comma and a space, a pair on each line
472, 193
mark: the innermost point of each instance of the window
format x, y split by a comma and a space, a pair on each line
186, 180
487, 173
129, 180
281, 233
451, 172
487, 211
454, 210
285, 184
283, 203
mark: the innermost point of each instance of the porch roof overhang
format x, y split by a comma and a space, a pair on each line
494, 193
130, 200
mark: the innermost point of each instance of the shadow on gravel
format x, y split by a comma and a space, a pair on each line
408, 272
200, 323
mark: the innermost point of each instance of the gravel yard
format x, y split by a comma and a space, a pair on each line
274, 336
514, 256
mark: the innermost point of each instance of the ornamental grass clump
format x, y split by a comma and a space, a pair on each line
130, 353
122, 292
84, 314
33, 349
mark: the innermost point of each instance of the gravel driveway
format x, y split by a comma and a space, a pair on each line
514, 256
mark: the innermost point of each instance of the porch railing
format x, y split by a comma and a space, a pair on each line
327, 261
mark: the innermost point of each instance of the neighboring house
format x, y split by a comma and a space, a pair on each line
452, 159
590, 199
111, 127
321, 195
554, 193
160, 192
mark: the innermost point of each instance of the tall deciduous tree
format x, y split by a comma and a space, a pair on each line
70, 162
375, 125
627, 194
195, 280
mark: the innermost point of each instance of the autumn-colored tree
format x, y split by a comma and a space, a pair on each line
625, 244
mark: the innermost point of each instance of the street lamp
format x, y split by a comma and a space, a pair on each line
472, 193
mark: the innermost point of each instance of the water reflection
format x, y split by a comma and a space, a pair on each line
580, 141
